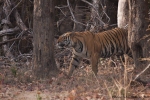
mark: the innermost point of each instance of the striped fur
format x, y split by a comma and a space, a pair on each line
94, 46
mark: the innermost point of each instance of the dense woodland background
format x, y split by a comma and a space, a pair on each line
26, 24
62, 16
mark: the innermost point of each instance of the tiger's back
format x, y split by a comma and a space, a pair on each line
112, 42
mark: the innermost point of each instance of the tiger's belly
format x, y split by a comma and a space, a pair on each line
82, 54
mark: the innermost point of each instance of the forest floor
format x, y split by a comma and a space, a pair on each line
111, 83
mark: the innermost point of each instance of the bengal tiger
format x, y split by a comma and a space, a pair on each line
94, 46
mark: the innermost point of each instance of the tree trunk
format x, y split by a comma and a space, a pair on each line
43, 39
122, 16
138, 13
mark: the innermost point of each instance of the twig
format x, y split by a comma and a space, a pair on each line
20, 34
70, 9
59, 22
13, 7
61, 10
109, 93
88, 3
14, 39
25, 55
144, 59
73, 14
104, 11
144, 37
99, 18
96, 78
78, 22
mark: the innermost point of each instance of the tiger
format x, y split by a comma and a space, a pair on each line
93, 46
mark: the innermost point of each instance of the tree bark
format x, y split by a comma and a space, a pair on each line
138, 13
43, 39
122, 16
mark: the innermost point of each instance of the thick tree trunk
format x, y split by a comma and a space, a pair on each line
122, 16
137, 29
43, 39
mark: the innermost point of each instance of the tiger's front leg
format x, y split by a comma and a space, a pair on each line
94, 62
74, 64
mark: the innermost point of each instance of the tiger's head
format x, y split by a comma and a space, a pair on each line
65, 40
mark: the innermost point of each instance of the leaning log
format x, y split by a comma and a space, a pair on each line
9, 31
7, 11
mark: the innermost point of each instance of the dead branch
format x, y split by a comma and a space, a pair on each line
70, 9
74, 19
17, 16
9, 8
8, 31
59, 22
96, 20
141, 72
95, 10
15, 39
14, 7
20, 22
104, 12
61, 10
144, 59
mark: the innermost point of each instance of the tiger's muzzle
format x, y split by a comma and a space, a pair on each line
63, 44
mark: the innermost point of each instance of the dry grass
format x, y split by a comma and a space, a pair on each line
111, 83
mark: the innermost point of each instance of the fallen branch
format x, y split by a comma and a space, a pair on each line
8, 31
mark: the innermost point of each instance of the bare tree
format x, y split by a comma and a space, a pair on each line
122, 16
43, 41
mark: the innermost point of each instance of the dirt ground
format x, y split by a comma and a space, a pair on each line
111, 83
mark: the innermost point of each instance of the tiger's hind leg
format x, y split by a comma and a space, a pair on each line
94, 62
74, 64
